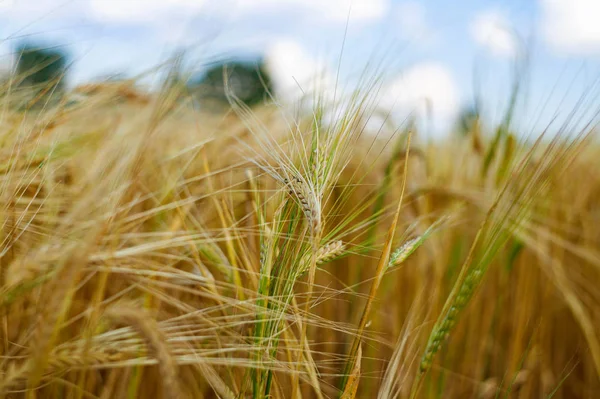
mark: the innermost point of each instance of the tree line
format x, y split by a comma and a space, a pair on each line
42, 72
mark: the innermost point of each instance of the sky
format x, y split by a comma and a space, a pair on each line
447, 54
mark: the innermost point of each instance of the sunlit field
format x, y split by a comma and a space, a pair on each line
154, 250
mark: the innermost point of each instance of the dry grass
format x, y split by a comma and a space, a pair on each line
149, 250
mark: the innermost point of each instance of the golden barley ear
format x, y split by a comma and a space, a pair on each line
147, 327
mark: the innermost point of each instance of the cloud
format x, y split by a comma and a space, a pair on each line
333, 10
137, 11
425, 89
491, 30
571, 26
412, 22
294, 72
38, 11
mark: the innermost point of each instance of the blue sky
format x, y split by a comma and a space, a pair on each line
441, 50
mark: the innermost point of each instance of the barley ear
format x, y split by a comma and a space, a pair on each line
325, 254
308, 201
410, 246
330, 251
148, 329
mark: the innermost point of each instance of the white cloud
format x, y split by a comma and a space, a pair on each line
132, 11
26, 11
412, 22
334, 10
426, 89
571, 26
492, 30
294, 72
423, 90
152, 10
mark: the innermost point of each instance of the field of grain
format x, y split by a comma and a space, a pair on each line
153, 251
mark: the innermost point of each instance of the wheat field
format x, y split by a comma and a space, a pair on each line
150, 250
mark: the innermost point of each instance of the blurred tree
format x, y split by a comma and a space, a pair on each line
41, 69
249, 82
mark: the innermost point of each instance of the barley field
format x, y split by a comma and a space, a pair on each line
150, 250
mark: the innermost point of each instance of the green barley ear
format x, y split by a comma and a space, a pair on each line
410, 246
488, 241
507, 215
